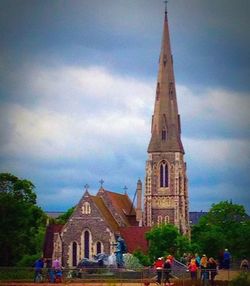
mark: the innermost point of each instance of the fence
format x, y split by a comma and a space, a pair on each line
110, 276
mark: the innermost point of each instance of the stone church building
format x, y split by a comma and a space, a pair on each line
97, 219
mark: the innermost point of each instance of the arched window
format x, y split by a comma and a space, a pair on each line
98, 247
166, 219
86, 244
164, 175
74, 254
159, 219
86, 208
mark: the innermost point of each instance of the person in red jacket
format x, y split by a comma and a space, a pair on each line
159, 263
192, 267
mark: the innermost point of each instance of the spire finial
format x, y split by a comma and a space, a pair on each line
125, 189
101, 182
86, 187
166, 6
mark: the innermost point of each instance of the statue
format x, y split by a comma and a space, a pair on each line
120, 249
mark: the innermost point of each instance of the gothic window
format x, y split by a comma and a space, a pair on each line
166, 219
86, 244
164, 175
86, 208
163, 135
98, 247
74, 254
159, 219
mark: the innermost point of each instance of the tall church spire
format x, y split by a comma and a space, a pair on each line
165, 129
166, 193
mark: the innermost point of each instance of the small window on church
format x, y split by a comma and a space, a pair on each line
166, 219
98, 247
163, 135
159, 220
86, 208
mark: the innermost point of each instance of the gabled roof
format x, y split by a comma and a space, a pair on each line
49, 239
134, 237
105, 212
123, 206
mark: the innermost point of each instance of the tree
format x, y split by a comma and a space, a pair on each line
165, 239
62, 219
21, 220
225, 226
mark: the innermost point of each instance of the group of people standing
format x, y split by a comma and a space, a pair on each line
207, 267
54, 270
163, 268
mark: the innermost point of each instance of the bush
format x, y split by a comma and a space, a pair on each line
132, 262
143, 259
28, 260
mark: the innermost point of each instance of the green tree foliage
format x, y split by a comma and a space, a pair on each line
22, 222
166, 239
225, 226
144, 259
62, 219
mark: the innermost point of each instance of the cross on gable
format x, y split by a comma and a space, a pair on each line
125, 189
101, 182
86, 187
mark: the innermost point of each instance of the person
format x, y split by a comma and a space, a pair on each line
197, 259
171, 258
212, 268
159, 263
226, 259
51, 274
183, 259
244, 265
38, 269
192, 267
167, 269
56, 265
203, 266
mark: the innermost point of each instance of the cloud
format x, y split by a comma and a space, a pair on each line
71, 126
76, 107
214, 113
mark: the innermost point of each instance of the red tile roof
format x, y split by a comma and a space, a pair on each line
49, 239
105, 213
134, 237
123, 206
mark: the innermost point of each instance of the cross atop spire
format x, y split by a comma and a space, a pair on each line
86, 187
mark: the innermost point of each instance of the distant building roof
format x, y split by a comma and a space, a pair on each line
53, 214
194, 217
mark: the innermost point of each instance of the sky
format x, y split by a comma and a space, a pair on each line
77, 89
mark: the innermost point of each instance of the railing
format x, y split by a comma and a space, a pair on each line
111, 276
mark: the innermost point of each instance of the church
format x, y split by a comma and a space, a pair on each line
98, 219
